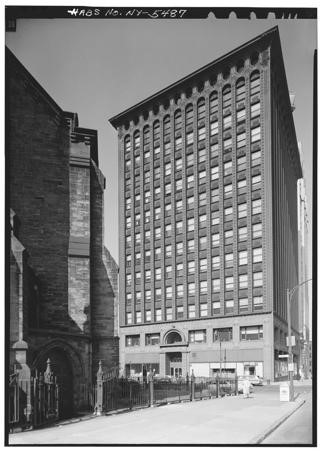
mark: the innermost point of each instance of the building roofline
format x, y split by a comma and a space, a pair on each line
11, 58
158, 96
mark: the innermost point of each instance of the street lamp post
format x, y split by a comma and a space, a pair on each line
289, 295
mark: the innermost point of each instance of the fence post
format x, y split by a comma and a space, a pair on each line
192, 386
100, 386
49, 382
236, 385
151, 389
217, 386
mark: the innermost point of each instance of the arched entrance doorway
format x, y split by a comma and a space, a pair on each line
61, 367
173, 359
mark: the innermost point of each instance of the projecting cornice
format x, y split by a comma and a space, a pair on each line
202, 75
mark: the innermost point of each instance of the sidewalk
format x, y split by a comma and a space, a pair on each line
228, 420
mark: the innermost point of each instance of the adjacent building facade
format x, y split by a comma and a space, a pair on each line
62, 301
304, 310
208, 220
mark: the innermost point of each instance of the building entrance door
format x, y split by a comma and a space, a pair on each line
175, 364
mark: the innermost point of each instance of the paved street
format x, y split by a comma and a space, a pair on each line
297, 429
229, 420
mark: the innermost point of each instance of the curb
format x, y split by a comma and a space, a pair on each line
261, 437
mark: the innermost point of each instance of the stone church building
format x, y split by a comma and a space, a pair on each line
63, 282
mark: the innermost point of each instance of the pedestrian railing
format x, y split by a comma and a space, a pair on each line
34, 400
110, 394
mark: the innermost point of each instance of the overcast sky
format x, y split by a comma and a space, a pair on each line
98, 68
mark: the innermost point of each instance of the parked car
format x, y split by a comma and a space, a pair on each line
255, 380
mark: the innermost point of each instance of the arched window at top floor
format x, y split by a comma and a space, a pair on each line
201, 109
127, 143
213, 102
226, 96
178, 119
156, 129
189, 114
136, 139
255, 83
146, 135
240, 89
167, 126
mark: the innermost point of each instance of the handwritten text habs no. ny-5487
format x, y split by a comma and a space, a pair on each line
127, 13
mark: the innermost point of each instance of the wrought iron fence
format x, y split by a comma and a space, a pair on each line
33, 401
121, 393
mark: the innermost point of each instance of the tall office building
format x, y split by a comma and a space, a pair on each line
208, 219
304, 310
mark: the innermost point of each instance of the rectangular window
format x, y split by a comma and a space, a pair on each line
243, 258
229, 260
197, 336
203, 310
158, 294
214, 173
256, 182
157, 233
243, 281
242, 233
190, 181
255, 134
229, 283
241, 186
223, 334
178, 143
152, 339
203, 265
178, 164
169, 292
202, 221
251, 333
179, 185
179, 248
132, 340
191, 289
256, 158
255, 110
215, 195
227, 145
215, 239
168, 230
215, 217
203, 287
202, 177
168, 210
227, 122
257, 255
229, 306
257, 231
191, 267
190, 245
168, 250
147, 256
258, 303
201, 133
158, 273
228, 168
169, 313
214, 128
242, 210
189, 138
129, 318
167, 169
191, 311
202, 243
241, 163
138, 317
228, 237
168, 271
179, 312
148, 316
179, 227
179, 291
179, 269
179, 206
228, 190
202, 200
147, 217
158, 314
256, 207
190, 159
216, 307
257, 279
158, 252
148, 295
216, 262
216, 285
240, 116
243, 304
